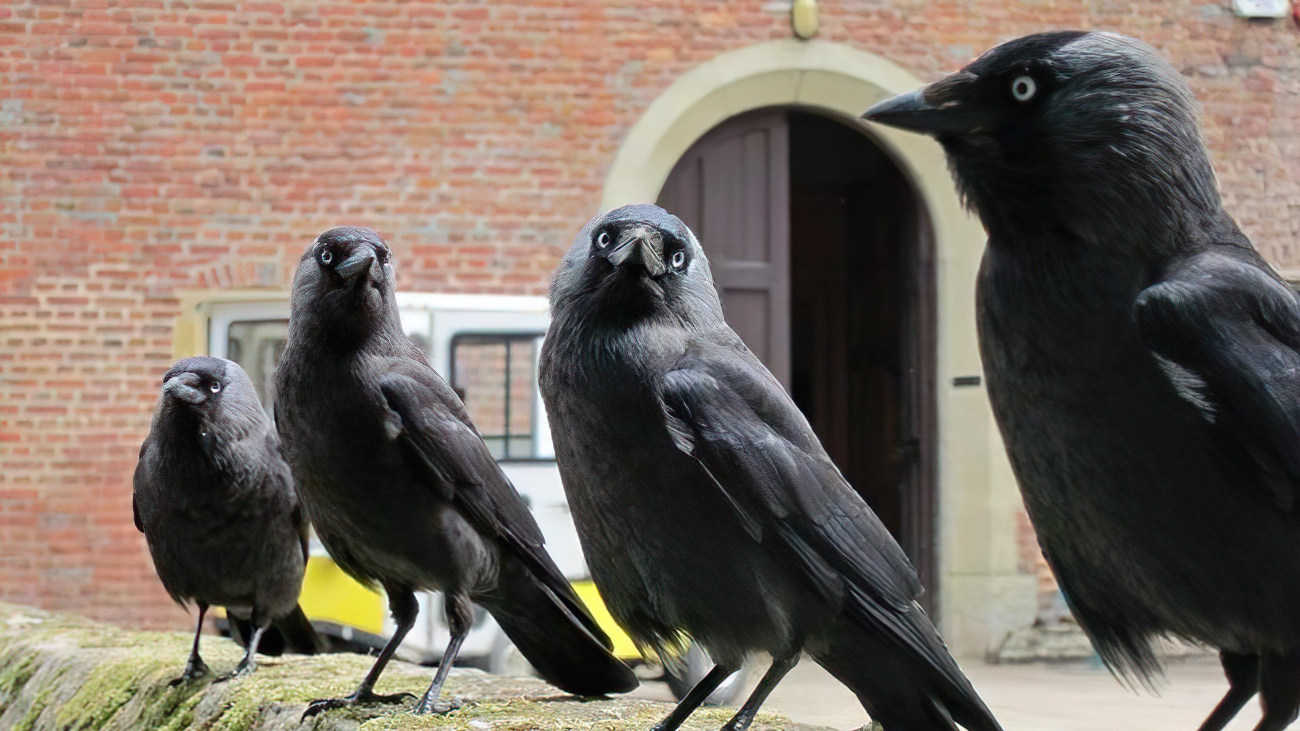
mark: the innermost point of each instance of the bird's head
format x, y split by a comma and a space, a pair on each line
215, 392
344, 285
1078, 129
634, 264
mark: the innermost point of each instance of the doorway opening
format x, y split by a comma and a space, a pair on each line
822, 253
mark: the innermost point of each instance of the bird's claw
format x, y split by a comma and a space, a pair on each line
193, 671
241, 670
358, 698
437, 706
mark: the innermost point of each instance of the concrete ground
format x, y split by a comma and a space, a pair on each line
1036, 697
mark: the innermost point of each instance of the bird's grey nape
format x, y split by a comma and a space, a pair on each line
1133, 163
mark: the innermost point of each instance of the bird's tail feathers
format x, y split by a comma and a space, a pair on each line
1126, 647
901, 670
555, 639
1129, 656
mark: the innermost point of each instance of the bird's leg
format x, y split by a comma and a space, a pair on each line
249, 662
1243, 682
693, 699
1279, 690
745, 715
195, 668
401, 600
460, 616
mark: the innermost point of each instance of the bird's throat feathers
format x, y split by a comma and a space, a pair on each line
590, 346
342, 321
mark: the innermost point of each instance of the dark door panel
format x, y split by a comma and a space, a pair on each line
732, 189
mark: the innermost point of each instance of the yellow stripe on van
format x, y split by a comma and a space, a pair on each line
329, 595
624, 648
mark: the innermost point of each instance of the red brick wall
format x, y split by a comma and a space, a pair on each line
149, 147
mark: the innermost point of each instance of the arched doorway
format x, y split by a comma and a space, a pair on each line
821, 251
977, 511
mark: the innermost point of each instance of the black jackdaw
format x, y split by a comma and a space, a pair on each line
1141, 356
400, 486
704, 501
215, 501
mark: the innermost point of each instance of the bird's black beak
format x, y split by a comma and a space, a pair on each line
640, 246
938, 109
183, 386
357, 264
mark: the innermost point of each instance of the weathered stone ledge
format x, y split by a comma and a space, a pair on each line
64, 673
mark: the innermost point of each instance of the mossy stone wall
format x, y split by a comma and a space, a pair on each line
64, 673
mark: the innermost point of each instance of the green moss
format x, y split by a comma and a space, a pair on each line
112, 683
39, 703
298, 681
16, 668
175, 717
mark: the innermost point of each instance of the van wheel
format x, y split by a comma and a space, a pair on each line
695, 665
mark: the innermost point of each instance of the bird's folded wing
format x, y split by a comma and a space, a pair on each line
762, 455
441, 443
1226, 331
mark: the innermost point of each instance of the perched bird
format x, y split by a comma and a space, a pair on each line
217, 507
705, 503
1142, 358
400, 486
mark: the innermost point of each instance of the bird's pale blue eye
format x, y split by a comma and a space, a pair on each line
602, 240
679, 259
326, 256
1023, 88
215, 387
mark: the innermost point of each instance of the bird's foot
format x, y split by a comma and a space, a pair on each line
359, 698
739, 722
194, 669
437, 706
243, 669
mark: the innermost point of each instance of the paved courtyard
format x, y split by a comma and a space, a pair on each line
1036, 697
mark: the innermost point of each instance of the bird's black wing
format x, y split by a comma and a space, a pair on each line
440, 442
724, 409
727, 411
1226, 330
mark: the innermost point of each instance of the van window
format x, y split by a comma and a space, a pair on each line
496, 376
256, 346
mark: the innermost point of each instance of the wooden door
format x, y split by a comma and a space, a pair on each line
917, 449
733, 189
